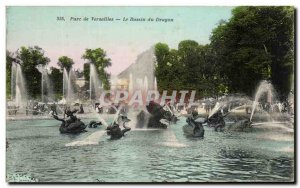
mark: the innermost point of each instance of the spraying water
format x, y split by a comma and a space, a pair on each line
155, 84
68, 91
18, 86
168, 108
13, 80
95, 83
70, 95
46, 86
94, 138
264, 87
130, 86
65, 83
117, 113
145, 84
228, 101
215, 109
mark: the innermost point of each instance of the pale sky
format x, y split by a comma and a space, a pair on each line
123, 41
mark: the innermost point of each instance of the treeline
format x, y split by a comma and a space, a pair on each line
256, 43
30, 57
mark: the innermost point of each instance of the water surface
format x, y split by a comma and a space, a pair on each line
38, 150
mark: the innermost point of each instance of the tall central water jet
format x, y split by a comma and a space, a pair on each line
13, 80
264, 87
68, 91
70, 95
65, 83
155, 84
18, 86
46, 86
95, 83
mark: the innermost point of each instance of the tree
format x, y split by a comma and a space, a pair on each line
189, 58
65, 62
255, 44
191, 67
29, 58
101, 62
161, 70
210, 81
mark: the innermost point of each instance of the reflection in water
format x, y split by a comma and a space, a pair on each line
38, 150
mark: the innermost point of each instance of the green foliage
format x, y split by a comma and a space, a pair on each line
9, 60
56, 77
101, 62
255, 44
29, 58
161, 53
65, 62
191, 67
86, 71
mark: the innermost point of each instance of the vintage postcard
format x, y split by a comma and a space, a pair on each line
150, 94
